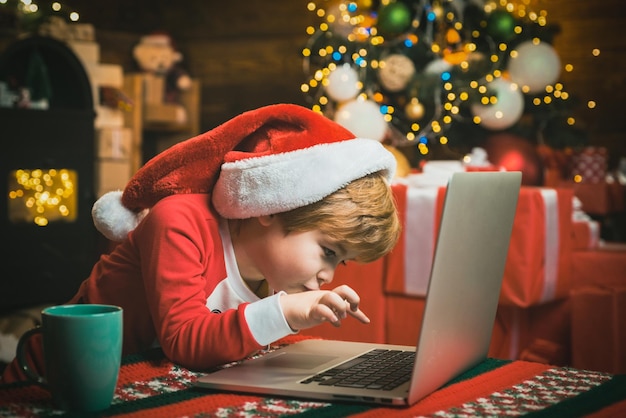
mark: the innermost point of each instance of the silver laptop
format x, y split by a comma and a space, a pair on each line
455, 333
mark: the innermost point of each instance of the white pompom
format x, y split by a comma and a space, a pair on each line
113, 219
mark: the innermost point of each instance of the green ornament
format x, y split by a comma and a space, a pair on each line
393, 19
501, 25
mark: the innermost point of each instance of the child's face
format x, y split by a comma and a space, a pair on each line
294, 262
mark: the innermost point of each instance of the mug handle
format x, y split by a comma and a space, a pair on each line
21, 357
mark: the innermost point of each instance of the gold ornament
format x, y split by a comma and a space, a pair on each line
414, 109
395, 72
364, 5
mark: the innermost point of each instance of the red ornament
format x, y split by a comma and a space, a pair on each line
515, 153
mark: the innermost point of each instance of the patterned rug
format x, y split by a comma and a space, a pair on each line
151, 386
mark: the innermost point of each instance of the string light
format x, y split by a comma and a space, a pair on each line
31, 7
42, 196
436, 27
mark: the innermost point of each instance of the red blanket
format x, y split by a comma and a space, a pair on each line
150, 385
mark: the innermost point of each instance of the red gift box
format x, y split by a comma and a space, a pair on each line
600, 198
589, 165
603, 266
598, 299
598, 331
585, 235
538, 265
539, 333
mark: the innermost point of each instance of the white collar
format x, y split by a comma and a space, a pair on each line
233, 276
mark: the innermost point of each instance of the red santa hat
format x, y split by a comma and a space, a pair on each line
264, 161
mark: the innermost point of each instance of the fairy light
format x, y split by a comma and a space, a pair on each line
360, 37
41, 196
31, 7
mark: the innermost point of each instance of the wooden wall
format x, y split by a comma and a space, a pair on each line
247, 53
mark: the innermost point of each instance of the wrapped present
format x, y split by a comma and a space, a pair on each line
603, 266
598, 299
585, 231
601, 198
409, 263
113, 143
538, 264
107, 117
589, 165
585, 235
598, 331
538, 333
477, 160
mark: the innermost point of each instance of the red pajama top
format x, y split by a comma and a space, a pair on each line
177, 280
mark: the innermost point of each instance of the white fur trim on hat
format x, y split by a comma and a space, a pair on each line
113, 219
281, 182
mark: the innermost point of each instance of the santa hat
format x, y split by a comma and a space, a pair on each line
264, 161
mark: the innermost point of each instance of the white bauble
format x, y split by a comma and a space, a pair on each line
395, 72
437, 66
363, 119
535, 66
339, 21
506, 111
343, 83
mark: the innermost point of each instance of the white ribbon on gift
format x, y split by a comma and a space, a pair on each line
551, 265
550, 268
578, 215
419, 239
551, 259
594, 234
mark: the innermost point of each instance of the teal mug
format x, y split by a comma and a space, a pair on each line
82, 347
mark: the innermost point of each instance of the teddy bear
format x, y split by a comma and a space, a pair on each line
156, 55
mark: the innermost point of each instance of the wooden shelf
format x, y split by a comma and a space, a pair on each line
156, 129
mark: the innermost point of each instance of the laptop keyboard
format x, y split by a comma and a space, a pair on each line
377, 369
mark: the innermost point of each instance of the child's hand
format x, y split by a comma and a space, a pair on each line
308, 309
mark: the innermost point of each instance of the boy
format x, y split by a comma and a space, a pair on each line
227, 238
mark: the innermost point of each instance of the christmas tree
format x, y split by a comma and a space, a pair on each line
439, 76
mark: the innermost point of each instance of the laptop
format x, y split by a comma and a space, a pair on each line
458, 319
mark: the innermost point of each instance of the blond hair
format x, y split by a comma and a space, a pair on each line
362, 216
